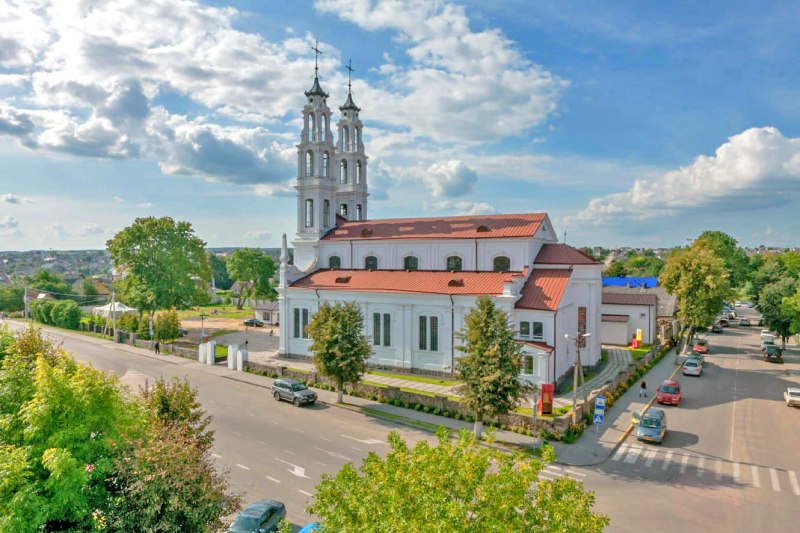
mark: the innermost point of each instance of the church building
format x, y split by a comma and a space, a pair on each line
416, 278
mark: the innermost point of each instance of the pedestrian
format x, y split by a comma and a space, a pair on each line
157, 347
270, 333
643, 390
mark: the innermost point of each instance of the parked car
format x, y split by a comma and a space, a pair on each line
769, 340
700, 346
692, 367
772, 354
310, 528
732, 315
723, 322
254, 322
183, 332
653, 426
259, 517
744, 322
716, 328
669, 392
293, 391
766, 333
792, 397
696, 357
636, 416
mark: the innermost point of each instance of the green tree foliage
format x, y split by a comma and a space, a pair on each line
143, 328
778, 315
251, 265
699, 281
65, 314
219, 270
615, 269
50, 282
456, 485
648, 264
128, 322
490, 364
770, 270
11, 298
791, 263
166, 326
162, 263
726, 248
89, 288
41, 310
339, 345
791, 305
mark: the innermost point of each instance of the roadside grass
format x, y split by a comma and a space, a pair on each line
420, 379
220, 351
638, 353
586, 377
400, 419
415, 391
222, 311
221, 332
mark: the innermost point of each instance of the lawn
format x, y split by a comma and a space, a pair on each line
420, 379
638, 353
223, 311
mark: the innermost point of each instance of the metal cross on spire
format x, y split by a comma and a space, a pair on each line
317, 52
350, 71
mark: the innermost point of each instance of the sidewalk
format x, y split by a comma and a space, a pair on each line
618, 360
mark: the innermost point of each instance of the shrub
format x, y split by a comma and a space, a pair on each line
143, 330
166, 326
65, 314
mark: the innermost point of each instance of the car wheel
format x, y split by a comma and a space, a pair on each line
312, 403
296, 402
277, 395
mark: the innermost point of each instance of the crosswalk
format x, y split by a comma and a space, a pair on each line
551, 472
775, 479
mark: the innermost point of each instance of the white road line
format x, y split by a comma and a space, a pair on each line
733, 402
620, 452
773, 475
364, 441
701, 462
556, 469
242, 466
304, 492
216, 456
298, 430
357, 449
298, 471
649, 455
326, 439
574, 473
737, 474
756, 482
237, 434
319, 463
261, 442
718, 470
547, 475
290, 452
793, 482
684, 462
251, 414
633, 454
667, 460
334, 454
272, 421
273, 479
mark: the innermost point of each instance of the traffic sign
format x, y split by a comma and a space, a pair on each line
598, 418
600, 402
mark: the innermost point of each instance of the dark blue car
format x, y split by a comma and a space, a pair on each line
259, 517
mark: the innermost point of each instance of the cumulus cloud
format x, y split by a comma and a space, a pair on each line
89, 228
145, 205
118, 199
258, 235
462, 207
59, 231
756, 168
8, 222
15, 122
450, 179
14, 199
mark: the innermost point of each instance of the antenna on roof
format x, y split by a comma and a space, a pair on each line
565, 236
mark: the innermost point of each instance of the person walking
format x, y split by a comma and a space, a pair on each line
157, 347
643, 389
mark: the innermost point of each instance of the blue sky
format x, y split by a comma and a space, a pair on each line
630, 123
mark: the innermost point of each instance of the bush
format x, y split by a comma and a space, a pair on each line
166, 326
41, 310
65, 314
143, 330
128, 322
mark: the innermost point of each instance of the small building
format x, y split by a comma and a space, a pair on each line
625, 312
266, 311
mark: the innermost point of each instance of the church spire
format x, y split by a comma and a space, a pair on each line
349, 104
316, 89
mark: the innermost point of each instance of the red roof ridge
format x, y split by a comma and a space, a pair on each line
560, 253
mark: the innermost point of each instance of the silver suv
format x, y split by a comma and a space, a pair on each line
293, 391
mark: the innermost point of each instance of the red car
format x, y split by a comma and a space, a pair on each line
669, 392
700, 346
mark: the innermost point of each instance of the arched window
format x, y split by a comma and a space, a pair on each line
343, 210
358, 138
312, 123
345, 138
309, 164
371, 262
334, 261
454, 263
411, 263
324, 127
326, 163
358, 212
502, 264
326, 213
343, 171
359, 178
309, 213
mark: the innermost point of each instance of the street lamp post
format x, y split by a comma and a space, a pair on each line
202, 327
578, 368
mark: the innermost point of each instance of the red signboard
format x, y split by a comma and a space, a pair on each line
546, 403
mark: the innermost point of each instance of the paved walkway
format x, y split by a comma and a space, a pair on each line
618, 360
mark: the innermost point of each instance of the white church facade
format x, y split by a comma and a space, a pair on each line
416, 279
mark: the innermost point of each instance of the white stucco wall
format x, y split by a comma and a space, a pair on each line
640, 316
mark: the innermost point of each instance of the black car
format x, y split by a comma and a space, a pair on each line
259, 517
716, 328
293, 391
254, 322
772, 354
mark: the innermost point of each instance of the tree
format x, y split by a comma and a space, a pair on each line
490, 365
339, 345
699, 281
88, 287
777, 315
65, 314
219, 271
50, 282
11, 298
161, 263
166, 326
615, 269
42, 310
726, 248
452, 486
770, 270
791, 306
251, 265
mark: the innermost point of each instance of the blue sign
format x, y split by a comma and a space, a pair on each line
598, 418
600, 403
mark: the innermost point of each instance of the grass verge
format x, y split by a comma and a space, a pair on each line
427, 426
420, 379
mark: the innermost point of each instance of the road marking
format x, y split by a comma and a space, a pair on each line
633, 454
620, 452
298, 430
773, 475
216, 456
364, 441
733, 411
356, 448
319, 463
549, 476
298, 471
273, 479
756, 482
261, 442
667, 460
649, 455
334, 454
718, 472
242, 466
304, 492
700, 464
684, 462
736, 473
290, 452
251, 414
793, 482
574, 473
237, 434
273, 421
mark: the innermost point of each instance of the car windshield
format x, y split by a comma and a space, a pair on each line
702, 342
669, 389
298, 386
691, 362
653, 423
245, 523
794, 393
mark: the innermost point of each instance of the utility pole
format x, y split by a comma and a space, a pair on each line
25, 301
578, 370
113, 311
202, 327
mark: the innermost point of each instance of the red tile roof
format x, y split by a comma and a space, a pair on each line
562, 254
465, 227
615, 318
415, 281
544, 289
539, 345
626, 298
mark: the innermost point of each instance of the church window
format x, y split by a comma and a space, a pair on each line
358, 137
455, 263
525, 329
343, 172
371, 262
359, 177
324, 128
387, 329
345, 139
309, 163
358, 211
300, 323
538, 331
326, 163
304, 332
429, 333
527, 364
423, 333
343, 210
434, 334
309, 213
326, 213
502, 264
381, 329
411, 263
376, 329
334, 261
312, 122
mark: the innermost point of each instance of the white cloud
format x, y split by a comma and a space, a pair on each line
462, 207
8, 222
14, 199
145, 205
118, 199
89, 228
450, 179
59, 231
258, 235
757, 168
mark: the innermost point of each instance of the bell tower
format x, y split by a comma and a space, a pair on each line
351, 161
